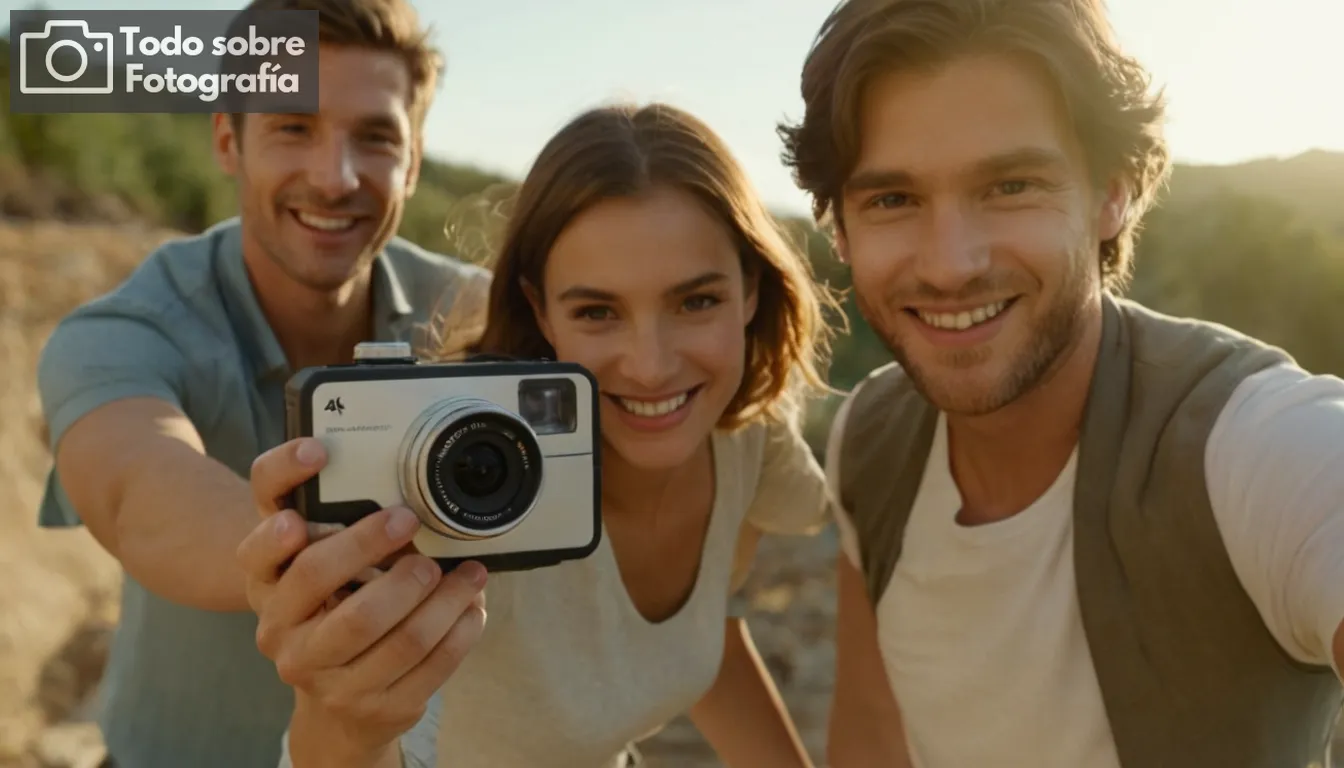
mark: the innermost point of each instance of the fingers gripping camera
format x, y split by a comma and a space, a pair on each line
500, 460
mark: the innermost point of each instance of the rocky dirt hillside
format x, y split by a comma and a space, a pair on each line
58, 590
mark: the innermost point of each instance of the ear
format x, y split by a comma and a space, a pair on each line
534, 298
1114, 209
224, 142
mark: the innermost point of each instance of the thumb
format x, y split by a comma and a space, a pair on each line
277, 472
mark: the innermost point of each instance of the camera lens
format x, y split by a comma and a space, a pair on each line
471, 469
480, 470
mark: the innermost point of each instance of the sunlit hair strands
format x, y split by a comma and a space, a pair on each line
622, 150
378, 25
1106, 93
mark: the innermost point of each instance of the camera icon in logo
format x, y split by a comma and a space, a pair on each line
75, 36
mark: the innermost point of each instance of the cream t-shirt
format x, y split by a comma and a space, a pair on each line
980, 630
568, 673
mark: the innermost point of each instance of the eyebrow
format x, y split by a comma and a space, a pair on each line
1026, 158
271, 118
381, 121
595, 294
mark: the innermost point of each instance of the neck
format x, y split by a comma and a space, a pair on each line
312, 326
1003, 461
629, 490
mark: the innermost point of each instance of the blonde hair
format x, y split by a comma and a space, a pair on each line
623, 150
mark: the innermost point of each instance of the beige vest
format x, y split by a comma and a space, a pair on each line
1189, 674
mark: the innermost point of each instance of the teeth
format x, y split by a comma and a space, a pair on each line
324, 222
661, 408
960, 321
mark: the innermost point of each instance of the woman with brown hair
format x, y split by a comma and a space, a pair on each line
637, 248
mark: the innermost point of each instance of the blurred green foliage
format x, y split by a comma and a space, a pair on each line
1258, 247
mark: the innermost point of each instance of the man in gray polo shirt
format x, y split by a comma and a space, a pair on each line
160, 394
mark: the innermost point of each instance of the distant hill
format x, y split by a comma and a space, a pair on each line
1312, 184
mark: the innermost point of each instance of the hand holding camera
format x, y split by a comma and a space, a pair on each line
363, 667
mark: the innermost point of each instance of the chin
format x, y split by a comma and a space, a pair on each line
975, 384
965, 396
323, 271
653, 449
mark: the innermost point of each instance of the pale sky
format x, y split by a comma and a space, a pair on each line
1245, 78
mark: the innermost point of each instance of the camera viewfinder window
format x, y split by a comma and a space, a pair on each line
550, 406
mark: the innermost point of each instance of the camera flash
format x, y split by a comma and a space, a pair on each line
548, 405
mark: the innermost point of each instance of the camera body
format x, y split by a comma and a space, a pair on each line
500, 460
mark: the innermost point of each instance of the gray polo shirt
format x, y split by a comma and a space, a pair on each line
187, 687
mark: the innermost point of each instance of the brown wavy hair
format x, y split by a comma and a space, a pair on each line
1106, 93
377, 25
624, 150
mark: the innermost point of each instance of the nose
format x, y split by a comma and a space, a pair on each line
955, 250
650, 359
331, 168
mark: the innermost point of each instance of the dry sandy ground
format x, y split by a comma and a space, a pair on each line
58, 589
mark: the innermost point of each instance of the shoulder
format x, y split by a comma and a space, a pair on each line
448, 297
1280, 410
1274, 452
423, 269
877, 401
174, 284
163, 323
781, 482
763, 445
882, 379
1180, 343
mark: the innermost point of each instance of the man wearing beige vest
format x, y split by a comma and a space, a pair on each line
1076, 533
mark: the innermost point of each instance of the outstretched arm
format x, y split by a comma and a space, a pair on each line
1275, 469
742, 715
130, 465
137, 473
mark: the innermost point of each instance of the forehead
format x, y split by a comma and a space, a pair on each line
642, 243
357, 83
945, 119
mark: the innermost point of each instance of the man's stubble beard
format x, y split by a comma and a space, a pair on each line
1049, 340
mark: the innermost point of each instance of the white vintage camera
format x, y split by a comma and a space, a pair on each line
500, 460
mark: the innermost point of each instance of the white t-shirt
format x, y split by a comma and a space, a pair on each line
980, 629
568, 673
